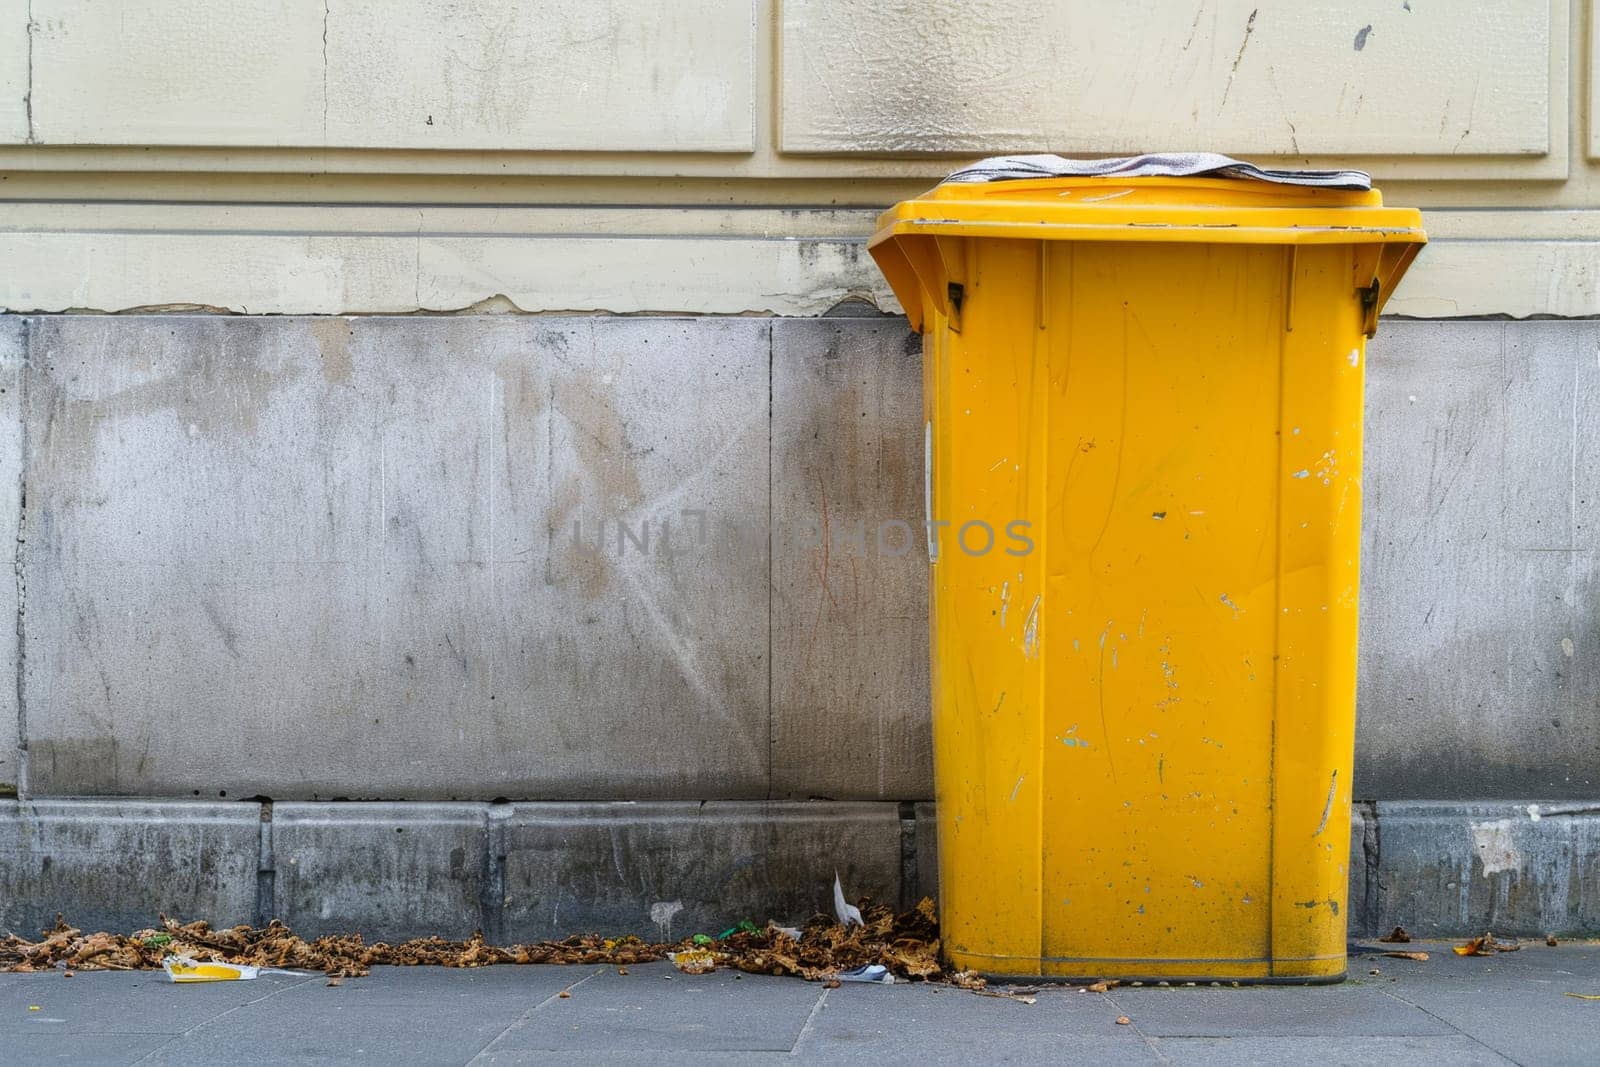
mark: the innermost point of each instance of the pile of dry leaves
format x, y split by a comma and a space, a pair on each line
907, 944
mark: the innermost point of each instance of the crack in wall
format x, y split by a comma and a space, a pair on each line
1366, 920
27, 95
326, 4
17, 562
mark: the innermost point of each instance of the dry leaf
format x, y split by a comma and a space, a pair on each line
1103, 985
1583, 996
1420, 957
966, 980
906, 943
1486, 946
564, 995
1397, 936
1123, 1020
1550, 939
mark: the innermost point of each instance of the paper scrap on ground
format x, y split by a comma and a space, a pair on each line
876, 973
693, 961
184, 969
846, 912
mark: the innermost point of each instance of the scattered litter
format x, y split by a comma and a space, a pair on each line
847, 913
622, 970
870, 972
66, 974
1006, 994
1103, 986
1486, 946
564, 995
185, 969
33, 1007
967, 980
1397, 936
1550, 939
1420, 957
336, 980
906, 945
694, 961
1583, 996
1374, 972
1123, 1020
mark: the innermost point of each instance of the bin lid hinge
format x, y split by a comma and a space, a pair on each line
1369, 306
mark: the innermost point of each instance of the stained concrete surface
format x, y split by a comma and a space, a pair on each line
322, 558
665, 869
1479, 1010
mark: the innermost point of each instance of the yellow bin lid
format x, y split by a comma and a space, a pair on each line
917, 248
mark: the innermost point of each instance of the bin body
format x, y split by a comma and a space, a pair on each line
1144, 695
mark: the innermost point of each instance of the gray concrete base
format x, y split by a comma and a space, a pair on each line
529, 871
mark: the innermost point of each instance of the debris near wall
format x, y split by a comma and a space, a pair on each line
906, 943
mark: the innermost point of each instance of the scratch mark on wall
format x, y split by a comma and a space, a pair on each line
27, 95
1294, 133
1249, 28
1194, 26
1472, 112
326, 4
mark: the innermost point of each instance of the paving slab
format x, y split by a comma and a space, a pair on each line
1514, 1003
655, 1008
1490, 1010
81, 1050
397, 1014
931, 1024
107, 1002
1457, 1050
1350, 1009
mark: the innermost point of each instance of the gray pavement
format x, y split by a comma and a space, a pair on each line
1508, 1008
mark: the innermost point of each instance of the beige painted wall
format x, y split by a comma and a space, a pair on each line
729, 155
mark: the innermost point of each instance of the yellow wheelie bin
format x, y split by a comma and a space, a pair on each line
1143, 403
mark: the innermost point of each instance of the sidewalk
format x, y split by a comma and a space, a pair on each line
1480, 1010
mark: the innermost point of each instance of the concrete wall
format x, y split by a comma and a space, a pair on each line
335, 558
667, 869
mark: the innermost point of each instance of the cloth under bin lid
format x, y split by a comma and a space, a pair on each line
1156, 165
